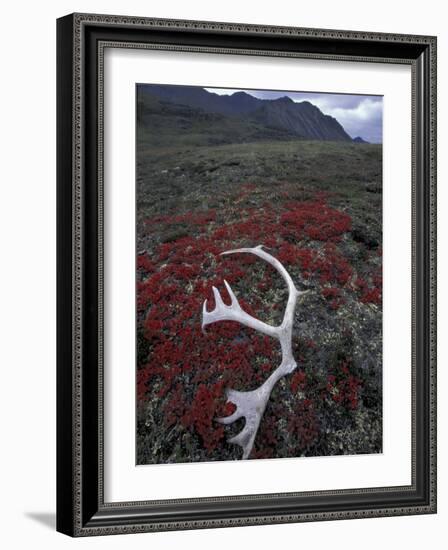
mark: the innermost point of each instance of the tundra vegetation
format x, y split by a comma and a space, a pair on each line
316, 206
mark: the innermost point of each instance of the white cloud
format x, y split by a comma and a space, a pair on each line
364, 119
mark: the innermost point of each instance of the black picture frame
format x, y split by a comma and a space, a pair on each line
81, 510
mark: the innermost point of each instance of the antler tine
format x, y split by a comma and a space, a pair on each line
250, 405
231, 418
244, 439
219, 304
230, 292
233, 312
244, 402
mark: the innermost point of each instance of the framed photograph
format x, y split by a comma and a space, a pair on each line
246, 274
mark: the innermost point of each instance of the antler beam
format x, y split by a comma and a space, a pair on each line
252, 404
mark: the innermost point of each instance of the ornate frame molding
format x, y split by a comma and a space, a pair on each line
81, 42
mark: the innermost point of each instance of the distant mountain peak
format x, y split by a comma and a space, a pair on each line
284, 99
358, 139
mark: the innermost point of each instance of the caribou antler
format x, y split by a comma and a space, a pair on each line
252, 404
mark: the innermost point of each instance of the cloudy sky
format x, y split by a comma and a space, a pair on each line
360, 115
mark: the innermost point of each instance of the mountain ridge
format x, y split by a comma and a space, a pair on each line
301, 120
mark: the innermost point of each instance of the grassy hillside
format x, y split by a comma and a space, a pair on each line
317, 206
163, 124
183, 179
